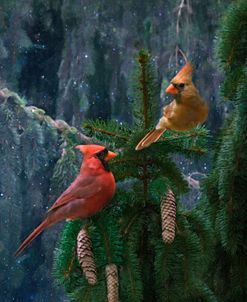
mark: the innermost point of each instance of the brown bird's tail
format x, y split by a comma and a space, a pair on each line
32, 236
150, 138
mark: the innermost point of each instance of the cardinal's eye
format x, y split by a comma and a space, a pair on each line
102, 154
181, 85
105, 152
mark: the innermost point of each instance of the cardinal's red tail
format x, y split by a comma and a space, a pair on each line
32, 236
150, 138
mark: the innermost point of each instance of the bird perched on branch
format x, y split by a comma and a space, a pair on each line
186, 111
92, 189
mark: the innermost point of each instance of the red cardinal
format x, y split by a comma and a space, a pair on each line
92, 189
186, 111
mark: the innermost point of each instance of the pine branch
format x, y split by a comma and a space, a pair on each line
183, 136
124, 160
132, 220
225, 195
94, 129
106, 241
145, 183
68, 272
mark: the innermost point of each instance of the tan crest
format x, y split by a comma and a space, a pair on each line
185, 74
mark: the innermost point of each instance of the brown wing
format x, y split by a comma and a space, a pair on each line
81, 188
169, 109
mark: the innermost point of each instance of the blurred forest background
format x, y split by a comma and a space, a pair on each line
74, 59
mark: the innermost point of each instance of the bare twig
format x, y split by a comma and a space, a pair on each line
183, 54
180, 7
61, 126
194, 183
183, 5
86, 139
198, 173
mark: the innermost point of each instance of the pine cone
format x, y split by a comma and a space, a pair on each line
168, 217
85, 256
112, 282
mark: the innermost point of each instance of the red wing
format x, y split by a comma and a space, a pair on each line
81, 188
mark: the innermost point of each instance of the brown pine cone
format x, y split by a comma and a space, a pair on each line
168, 217
112, 282
85, 256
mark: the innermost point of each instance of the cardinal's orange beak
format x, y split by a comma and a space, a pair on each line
171, 89
110, 155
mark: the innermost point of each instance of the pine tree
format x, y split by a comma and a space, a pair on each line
225, 198
127, 235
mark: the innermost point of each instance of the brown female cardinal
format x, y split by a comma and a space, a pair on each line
92, 189
186, 111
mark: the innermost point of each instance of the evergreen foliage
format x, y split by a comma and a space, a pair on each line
225, 196
128, 232
232, 47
